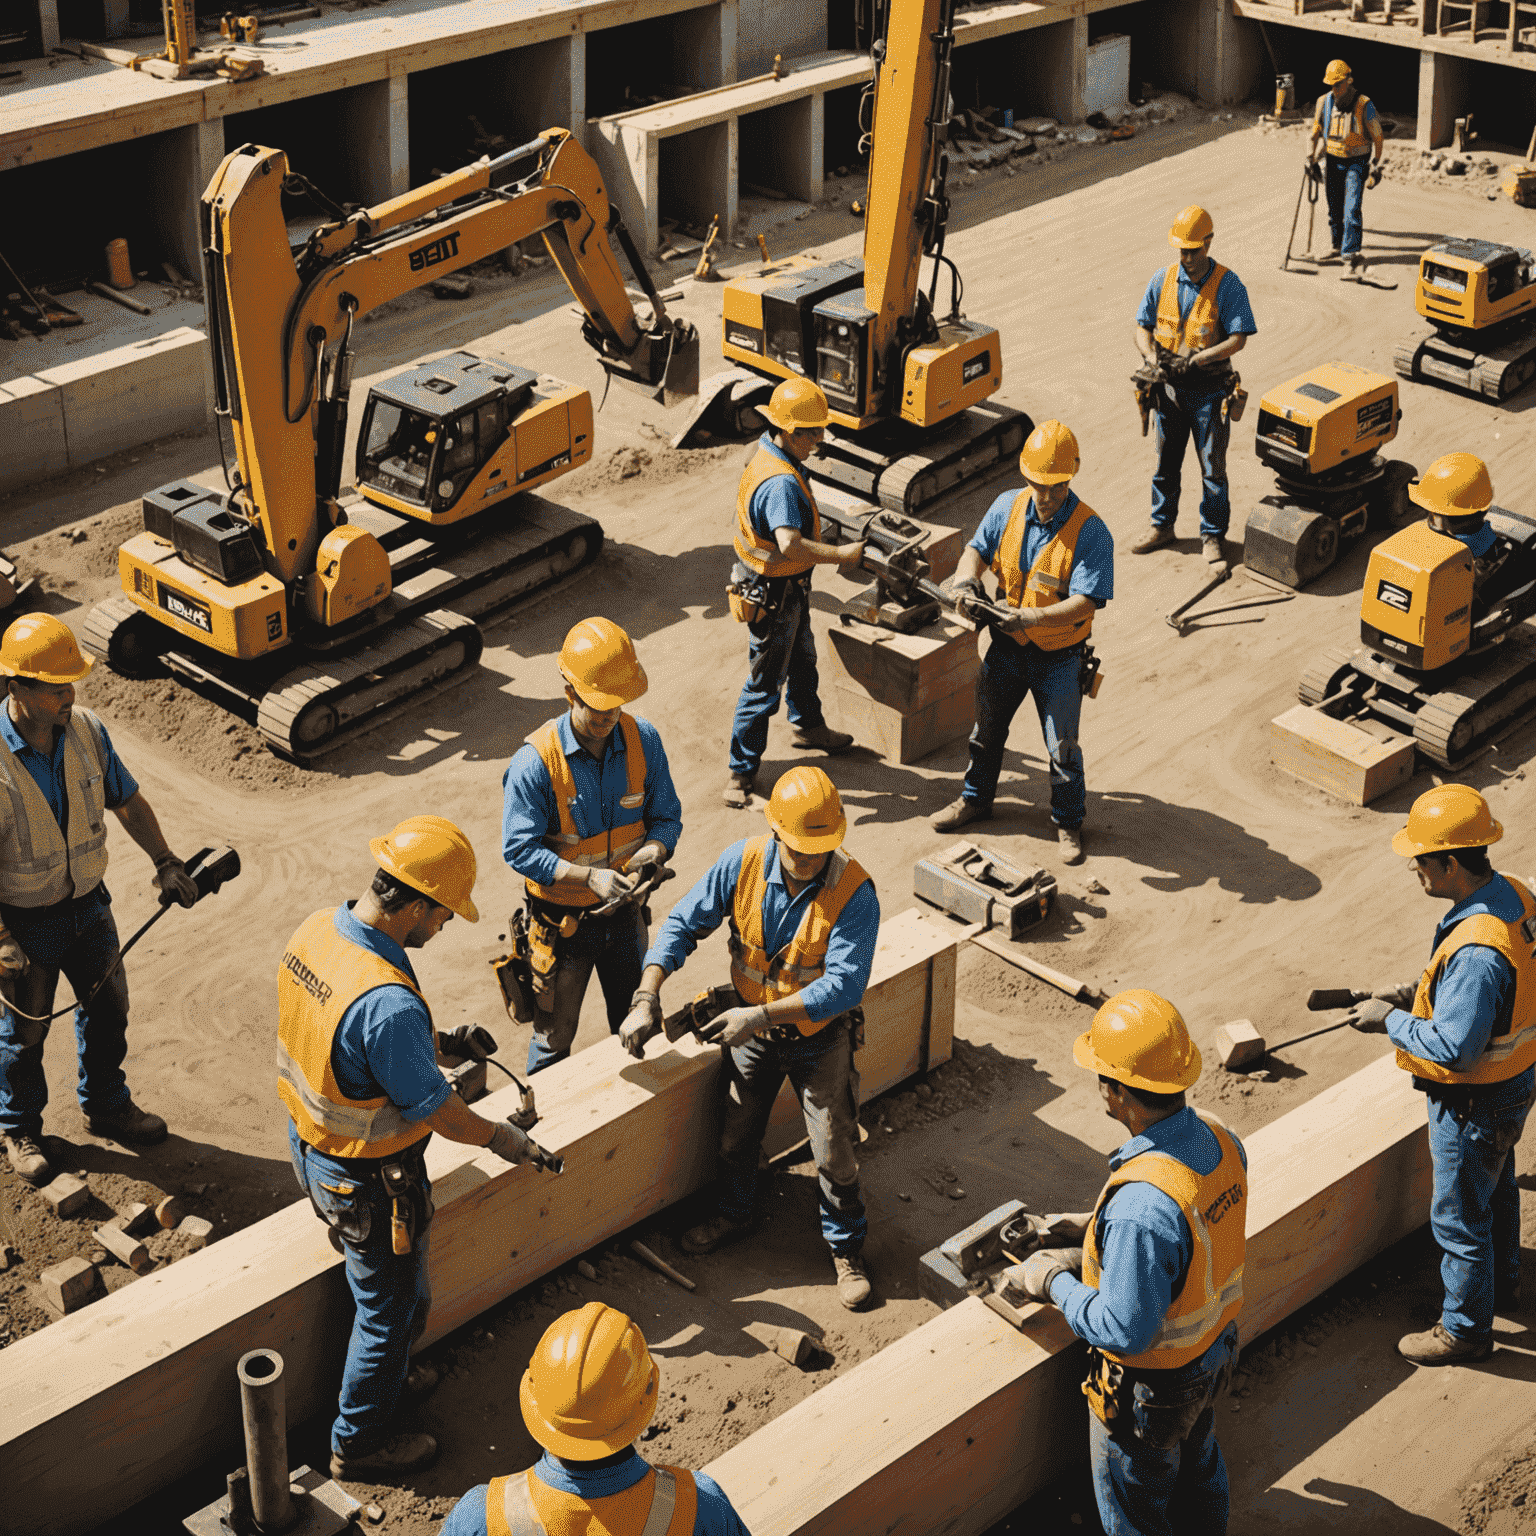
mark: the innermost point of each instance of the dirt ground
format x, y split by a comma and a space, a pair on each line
1211, 876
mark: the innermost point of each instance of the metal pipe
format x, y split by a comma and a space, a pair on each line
264, 1413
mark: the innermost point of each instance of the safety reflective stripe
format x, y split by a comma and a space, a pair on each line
1347, 134
353, 1122
1048, 578
1195, 1326
764, 555
1202, 325
509, 1507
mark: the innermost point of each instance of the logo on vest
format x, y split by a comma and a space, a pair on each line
306, 978
1223, 1203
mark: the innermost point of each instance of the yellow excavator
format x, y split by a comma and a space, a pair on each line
907, 390
321, 614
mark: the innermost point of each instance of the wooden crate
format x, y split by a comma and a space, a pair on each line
1351, 763
907, 672
899, 737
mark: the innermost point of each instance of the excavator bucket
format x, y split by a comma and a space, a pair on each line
727, 406
665, 366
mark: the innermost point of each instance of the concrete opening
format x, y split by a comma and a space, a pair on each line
841, 132
1152, 60
511, 96
1502, 102
777, 150
1389, 75
693, 175
657, 59
1035, 69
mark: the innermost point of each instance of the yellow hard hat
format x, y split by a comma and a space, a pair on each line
1139, 1039
806, 811
1455, 485
40, 647
797, 405
591, 1386
431, 855
1192, 228
598, 660
1337, 70
1446, 818
1049, 455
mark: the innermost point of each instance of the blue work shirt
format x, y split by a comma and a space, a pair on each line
1325, 119
1233, 312
715, 1515
850, 946
118, 785
1479, 541
779, 502
1145, 1245
384, 1043
1476, 991
529, 813
1093, 563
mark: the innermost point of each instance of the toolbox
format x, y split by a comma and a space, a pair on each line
980, 886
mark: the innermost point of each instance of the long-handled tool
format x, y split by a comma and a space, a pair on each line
1181, 618
1243, 1047
1308, 189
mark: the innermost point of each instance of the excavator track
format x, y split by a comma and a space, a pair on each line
1453, 726
1496, 374
1326, 677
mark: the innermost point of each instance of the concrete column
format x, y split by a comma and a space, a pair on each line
1229, 54
373, 139
705, 45
48, 15
1442, 97
114, 16
1059, 70
576, 86
182, 163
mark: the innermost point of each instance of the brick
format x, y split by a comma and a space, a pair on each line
169, 1211
66, 1194
138, 1219
68, 1286
127, 1250
198, 1228
1240, 1045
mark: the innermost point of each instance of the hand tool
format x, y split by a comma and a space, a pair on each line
527, 1115
655, 875
980, 886
692, 1016
972, 1261
661, 1266
1245, 1048
1309, 180
1068, 984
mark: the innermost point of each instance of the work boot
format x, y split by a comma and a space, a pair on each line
960, 813
712, 1234
28, 1159
1070, 840
421, 1380
1437, 1347
853, 1288
399, 1454
130, 1123
738, 790
1334, 255
1154, 538
1212, 547
823, 739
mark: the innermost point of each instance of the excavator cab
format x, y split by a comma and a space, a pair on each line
445, 440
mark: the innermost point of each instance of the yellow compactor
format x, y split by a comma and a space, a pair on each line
1321, 433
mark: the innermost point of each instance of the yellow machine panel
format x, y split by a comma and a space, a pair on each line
247, 619
1474, 284
1416, 606
962, 369
1325, 417
351, 576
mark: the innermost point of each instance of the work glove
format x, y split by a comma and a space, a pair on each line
641, 1023
1401, 996
13, 959
510, 1143
609, 884
1373, 176
1020, 619
1314, 170
174, 883
850, 554
1034, 1276
735, 1025
13, 963
473, 1042
1369, 1017
648, 854
964, 590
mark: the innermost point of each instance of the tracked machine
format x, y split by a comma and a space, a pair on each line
909, 391
1321, 433
1480, 299
320, 614
1446, 654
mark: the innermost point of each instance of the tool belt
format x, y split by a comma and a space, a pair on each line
514, 971
1159, 1407
550, 929
1089, 674
753, 596
404, 1180
1461, 1100
783, 1034
1220, 377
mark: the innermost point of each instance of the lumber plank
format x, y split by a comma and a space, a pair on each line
145, 1376
961, 1420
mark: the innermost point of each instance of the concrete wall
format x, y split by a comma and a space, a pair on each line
1058, 74
789, 27
373, 138
180, 164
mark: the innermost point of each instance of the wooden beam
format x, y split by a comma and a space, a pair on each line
961, 1420
117, 1400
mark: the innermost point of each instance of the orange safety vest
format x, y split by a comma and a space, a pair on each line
1212, 1293
321, 975
1507, 1055
611, 847
1049, 577
763, 978
664, 1502
1201, 327
1348, 133
760, 554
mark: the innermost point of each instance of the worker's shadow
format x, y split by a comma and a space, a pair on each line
1338, 1506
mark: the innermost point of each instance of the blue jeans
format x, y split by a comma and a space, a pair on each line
391, 1290
612, 946
782, 658
79, 938
1157, 1490
1010, 672
820, 1068
1180, 414
1345, 187
1475, 1214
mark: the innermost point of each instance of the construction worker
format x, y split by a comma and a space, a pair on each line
1194, 318
1467, 1032
1161, 1280
804, 919
1346, 124
1457, 492
1055, 562
778, 542
588, 1393
589, 812
61, 774
358, 1075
